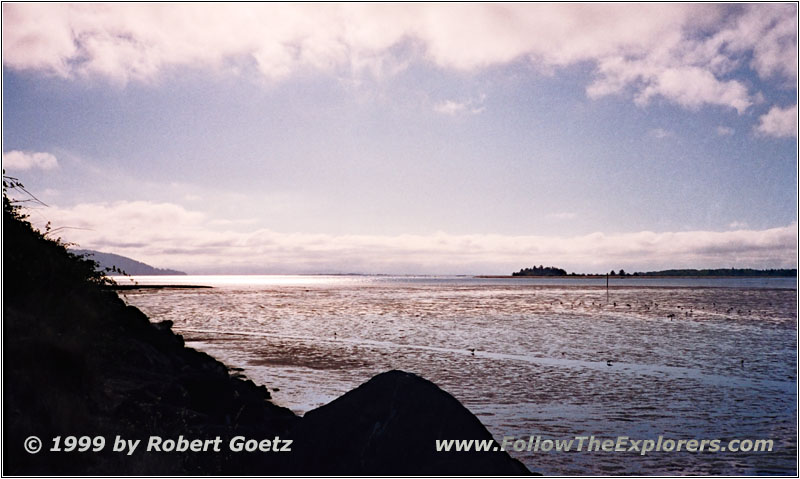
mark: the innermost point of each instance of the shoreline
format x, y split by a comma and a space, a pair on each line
586, 276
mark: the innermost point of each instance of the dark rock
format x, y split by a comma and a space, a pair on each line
389, 426
165, 325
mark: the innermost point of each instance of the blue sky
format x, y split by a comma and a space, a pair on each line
409, 138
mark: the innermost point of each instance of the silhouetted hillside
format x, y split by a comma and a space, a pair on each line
109, 261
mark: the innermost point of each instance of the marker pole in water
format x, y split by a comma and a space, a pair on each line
606, 287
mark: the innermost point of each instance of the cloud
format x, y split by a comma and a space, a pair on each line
26, 160
737, 225
770, 34
724, 130
168, 235
693, 87
683, 53
660, 133
451, 107
690, 64
779, 122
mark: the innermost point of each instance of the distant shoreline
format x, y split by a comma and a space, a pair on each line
585, 276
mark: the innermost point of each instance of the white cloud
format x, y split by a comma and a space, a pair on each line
779, 122
451, 107
690, 64
660, 133
737, 225
724, 130
169, 235
26, 160
679, 52
693, 87
770, 34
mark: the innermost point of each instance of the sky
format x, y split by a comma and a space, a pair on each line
408, 138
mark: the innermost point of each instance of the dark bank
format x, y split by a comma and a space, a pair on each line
79, 362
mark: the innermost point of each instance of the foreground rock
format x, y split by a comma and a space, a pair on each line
100, 368
389, 426
77, 361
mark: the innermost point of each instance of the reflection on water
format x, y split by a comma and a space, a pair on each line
527, 357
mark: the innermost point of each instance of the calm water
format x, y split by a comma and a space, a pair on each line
539, 364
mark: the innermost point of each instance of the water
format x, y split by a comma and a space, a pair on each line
527, 356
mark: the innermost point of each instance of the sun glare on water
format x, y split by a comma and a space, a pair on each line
231, 280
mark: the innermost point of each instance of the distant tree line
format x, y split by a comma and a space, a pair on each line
540, 271
723, 272
772, 273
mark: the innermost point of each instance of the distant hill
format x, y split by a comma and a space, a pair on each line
127, 265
